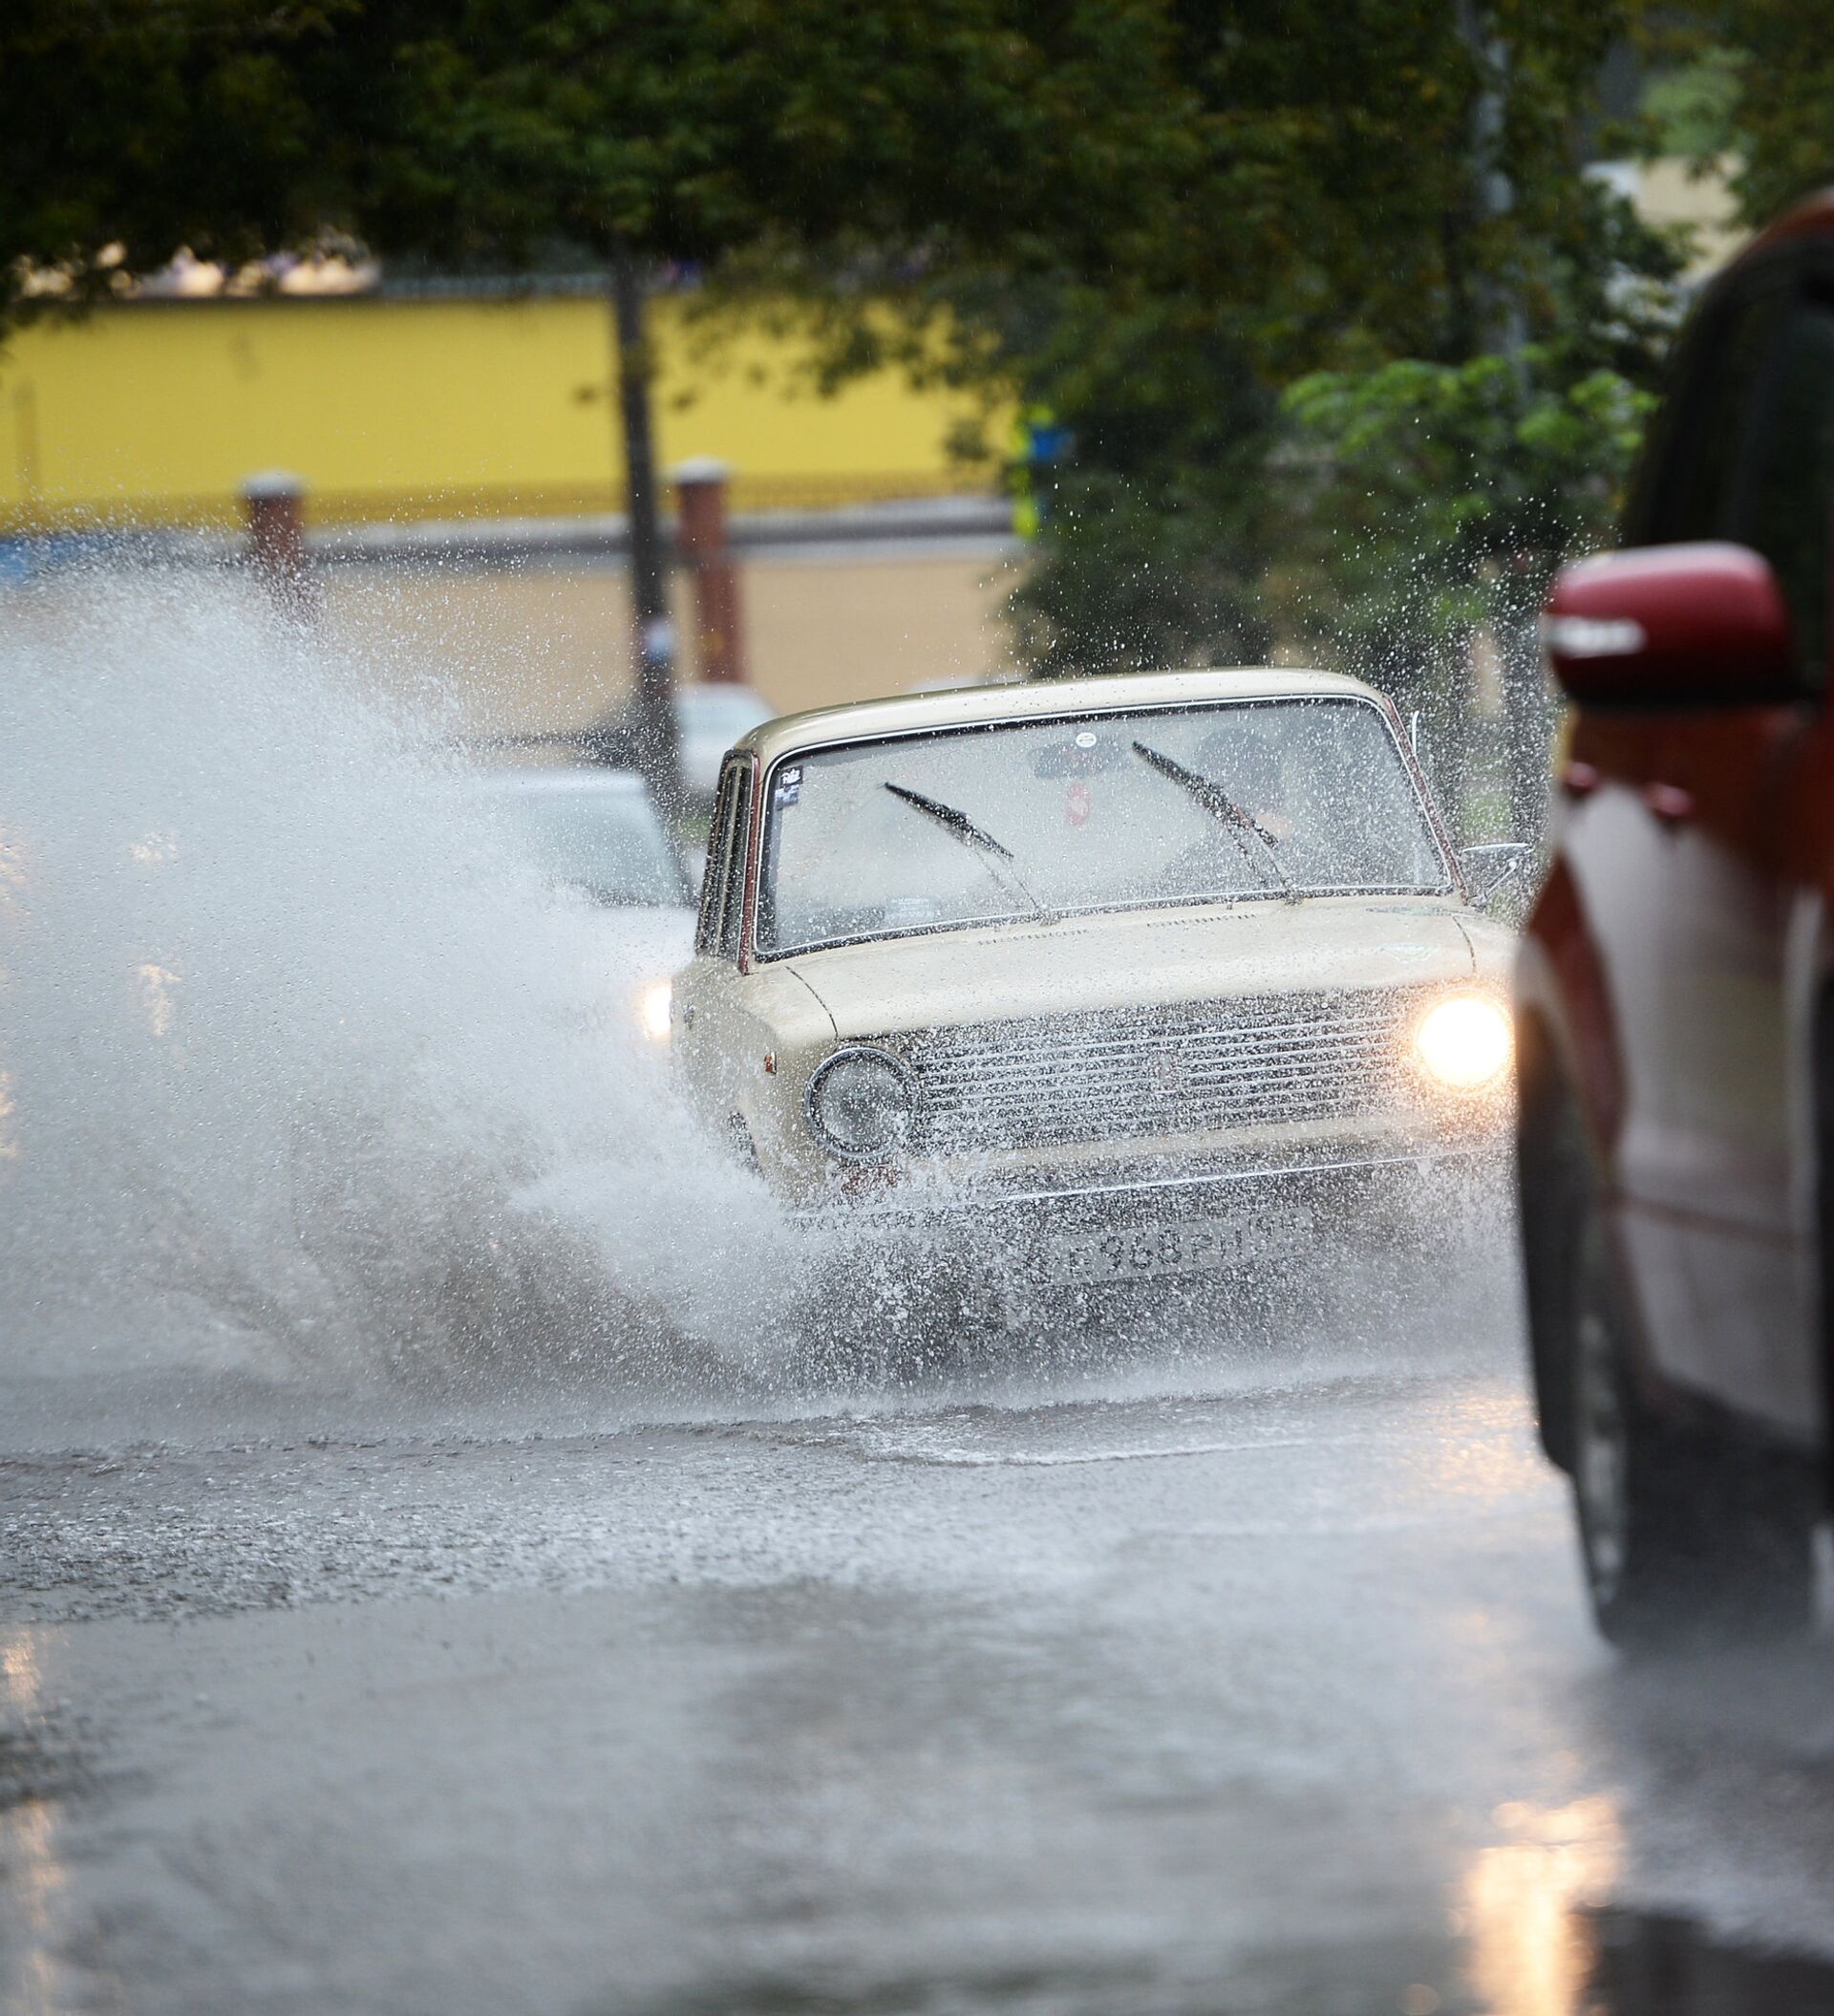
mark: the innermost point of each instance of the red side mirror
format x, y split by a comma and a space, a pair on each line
1671, 625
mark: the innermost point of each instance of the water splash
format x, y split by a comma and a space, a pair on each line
303, 1071
299, 1066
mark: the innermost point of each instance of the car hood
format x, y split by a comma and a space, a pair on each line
1143, 958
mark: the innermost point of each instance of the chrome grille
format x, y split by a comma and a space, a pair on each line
1189, 1070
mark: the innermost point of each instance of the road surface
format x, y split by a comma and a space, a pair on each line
1259, 1683
398, 1617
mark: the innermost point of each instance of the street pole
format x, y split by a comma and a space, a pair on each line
1502, 331
658, 750
1528, 706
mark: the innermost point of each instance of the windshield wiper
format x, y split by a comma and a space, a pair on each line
999, 858
1218, 804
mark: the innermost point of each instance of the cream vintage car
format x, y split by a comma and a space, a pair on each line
1113, 964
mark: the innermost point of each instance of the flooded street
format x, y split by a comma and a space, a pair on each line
454, 1562
916, 1010
1265, 1691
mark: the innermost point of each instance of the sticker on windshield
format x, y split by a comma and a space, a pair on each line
789, 787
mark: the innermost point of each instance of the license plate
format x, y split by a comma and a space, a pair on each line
1144, 1253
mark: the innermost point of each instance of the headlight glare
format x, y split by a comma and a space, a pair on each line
861, 1105
655, 1010
1466, 1042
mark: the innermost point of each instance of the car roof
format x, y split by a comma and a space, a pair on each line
1043, 700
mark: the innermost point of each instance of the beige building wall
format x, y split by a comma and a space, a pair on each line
1671, 193
549, 647
823, 632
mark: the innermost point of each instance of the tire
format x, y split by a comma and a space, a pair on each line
741, 1146
1686, 1539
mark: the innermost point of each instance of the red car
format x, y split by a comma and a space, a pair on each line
1675, 989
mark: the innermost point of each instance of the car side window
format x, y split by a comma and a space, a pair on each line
1784, 507
719, 855
1696, 456
732, 907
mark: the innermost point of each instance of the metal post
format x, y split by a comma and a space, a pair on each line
658, 753
1503, 329
274, 503
700, 519
1527, 705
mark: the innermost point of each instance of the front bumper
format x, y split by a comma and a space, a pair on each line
1174, 1242
1371, 1198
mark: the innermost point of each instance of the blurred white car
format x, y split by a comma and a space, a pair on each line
598, 832
708, 720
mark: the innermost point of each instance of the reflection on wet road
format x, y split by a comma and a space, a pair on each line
1274, 1695
29, 1823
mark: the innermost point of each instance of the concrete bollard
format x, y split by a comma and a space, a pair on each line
700, 533
274, 503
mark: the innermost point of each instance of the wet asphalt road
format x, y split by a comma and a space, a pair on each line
1266, 1690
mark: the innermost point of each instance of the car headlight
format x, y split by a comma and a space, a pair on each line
655, 1010
862, 1104
1466, 1042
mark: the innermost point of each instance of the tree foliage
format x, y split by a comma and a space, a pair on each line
1033, 136
1386, 199
1751, 82
1424, 485
130, 128
1151, 219
691, 128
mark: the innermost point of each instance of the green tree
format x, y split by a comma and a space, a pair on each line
1434, 502
498, 130
131, 129
1003, 132
1749, 81
1345, 217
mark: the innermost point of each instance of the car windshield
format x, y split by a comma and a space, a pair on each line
601, 839
1243, 799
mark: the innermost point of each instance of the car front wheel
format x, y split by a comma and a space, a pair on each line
1686, 1540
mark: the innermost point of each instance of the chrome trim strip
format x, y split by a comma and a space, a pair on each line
1208, 1181
754, 853
990, 1200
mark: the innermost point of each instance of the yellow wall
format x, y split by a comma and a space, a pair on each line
152, 411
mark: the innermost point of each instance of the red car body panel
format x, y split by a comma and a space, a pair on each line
1812, 218
1677, 971
1563, 933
